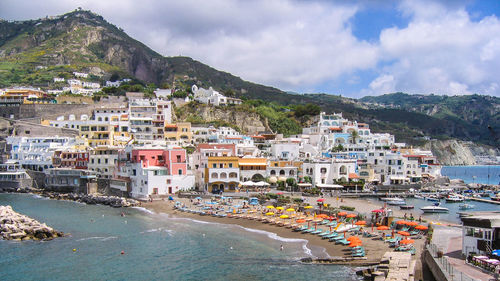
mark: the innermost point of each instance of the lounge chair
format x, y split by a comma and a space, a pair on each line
331, 235
317, 231
362, 254
338, 237
308, 230
342, 241
324, 233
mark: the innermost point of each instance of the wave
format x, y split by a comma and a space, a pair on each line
168, 231
144, 210
98, 238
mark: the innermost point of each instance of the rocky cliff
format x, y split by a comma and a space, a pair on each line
248, 122
454, 152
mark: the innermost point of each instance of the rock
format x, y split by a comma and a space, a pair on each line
14, 226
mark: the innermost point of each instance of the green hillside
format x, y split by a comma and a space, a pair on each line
33, 52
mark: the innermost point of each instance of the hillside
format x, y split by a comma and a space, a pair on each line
471, 117
34, 52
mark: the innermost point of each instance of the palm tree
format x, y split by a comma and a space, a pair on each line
354, 136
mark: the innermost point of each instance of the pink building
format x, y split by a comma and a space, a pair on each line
174, 160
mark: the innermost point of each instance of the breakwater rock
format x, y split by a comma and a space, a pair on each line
113, 201
14, 226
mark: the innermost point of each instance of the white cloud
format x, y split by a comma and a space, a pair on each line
441, 51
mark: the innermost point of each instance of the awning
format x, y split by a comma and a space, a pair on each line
329, 186
398, 178
304, 184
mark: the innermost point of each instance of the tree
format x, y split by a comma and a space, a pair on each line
114, 77
354, 136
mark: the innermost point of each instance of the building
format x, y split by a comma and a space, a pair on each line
70, 158
158, 172
222, 174
480, 233
326, 173
103, 161
70, 180
179, 132
212, 97
253, 169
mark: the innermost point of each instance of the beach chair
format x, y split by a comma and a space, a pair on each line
359, 255
342, 241
308, 230
317, 231
415, 232
332, 224
338, 237
300, 228
324, 233
331, 235
405, 229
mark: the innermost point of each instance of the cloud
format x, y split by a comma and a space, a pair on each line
309, 45
441, 51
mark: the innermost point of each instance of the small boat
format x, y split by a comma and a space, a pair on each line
453, 198
465, 206
434, 209
396, 202
432, 198
419, 196
496, 197
406, 207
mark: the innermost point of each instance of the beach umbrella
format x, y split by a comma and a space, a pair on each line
300, 221
421, 227
270, 207
342, 214
284, 216
320, 200
411, 223
406, 241
360, 223
269, 214
378, 211
353, 238
280, 208
308, 207
279, 193
350, 216
355, 244
323, 216
290, 210
404, 233
383, 227
401, 222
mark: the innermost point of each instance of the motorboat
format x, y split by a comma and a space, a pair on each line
432, 198
434, 209
396, 202
465, 206
496, 197
454, 198
406, 207
419, 196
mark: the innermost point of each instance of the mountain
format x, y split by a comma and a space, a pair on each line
33, 52
469, 117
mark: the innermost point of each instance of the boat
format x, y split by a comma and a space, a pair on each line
344, 228
465, 206
496, 197
434, 209
432, 198
406, 207
396, 201
453, 198
419, 196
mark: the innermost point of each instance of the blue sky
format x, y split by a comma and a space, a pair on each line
352, 48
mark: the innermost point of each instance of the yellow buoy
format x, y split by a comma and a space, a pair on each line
74, 250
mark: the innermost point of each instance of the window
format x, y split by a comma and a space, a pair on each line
230, 165
214, 165
323, 170
168, 181
180, 171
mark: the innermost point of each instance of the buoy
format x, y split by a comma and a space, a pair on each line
231, 248
203, 234
74, 250
122, 252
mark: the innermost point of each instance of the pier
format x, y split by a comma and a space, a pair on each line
484, 200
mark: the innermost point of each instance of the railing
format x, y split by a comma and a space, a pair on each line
448, 269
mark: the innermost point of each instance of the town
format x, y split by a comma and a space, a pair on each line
134, 148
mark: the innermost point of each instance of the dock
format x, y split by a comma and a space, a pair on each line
484, 200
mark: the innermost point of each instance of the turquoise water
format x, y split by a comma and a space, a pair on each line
157, 247
473, 174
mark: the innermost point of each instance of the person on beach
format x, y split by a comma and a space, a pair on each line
411, 217
420, 219
281, 248
405, 216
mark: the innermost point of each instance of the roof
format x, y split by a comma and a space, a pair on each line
335, 128
170, 125
353, 176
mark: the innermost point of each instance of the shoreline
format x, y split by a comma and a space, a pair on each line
375, 249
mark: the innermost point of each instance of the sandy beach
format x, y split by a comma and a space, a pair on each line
375, 249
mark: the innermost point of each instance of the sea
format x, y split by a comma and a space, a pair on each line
155, 247
473, 174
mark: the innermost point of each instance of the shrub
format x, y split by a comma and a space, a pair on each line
347, 208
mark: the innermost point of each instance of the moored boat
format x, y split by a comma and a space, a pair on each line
396, 202
465, 206
406, 207
434, 209
453, 198
496, 197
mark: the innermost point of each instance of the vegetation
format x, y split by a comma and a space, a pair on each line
347, 208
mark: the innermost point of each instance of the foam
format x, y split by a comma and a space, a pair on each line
98, 238
144, 210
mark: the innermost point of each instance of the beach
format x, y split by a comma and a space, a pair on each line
321, 248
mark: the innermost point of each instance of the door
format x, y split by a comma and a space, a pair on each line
170, 189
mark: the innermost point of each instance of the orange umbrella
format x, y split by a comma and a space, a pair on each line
406, 241
300, 220
325, 216
350, 216
342, 214
360, 223
404, 233
411, 223
401, 222
353, 238
355, 244
383, 227
421, 227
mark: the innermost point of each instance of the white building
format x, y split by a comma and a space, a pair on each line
211, 96
324, 173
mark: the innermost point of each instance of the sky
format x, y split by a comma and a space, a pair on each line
349, 48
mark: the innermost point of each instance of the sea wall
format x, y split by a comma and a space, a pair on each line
113, 201
14, 226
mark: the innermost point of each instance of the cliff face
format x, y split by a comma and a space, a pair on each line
453, 152
247, 122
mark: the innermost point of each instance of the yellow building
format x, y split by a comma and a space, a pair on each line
253, 169
222, 174
97, 134
178, 132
